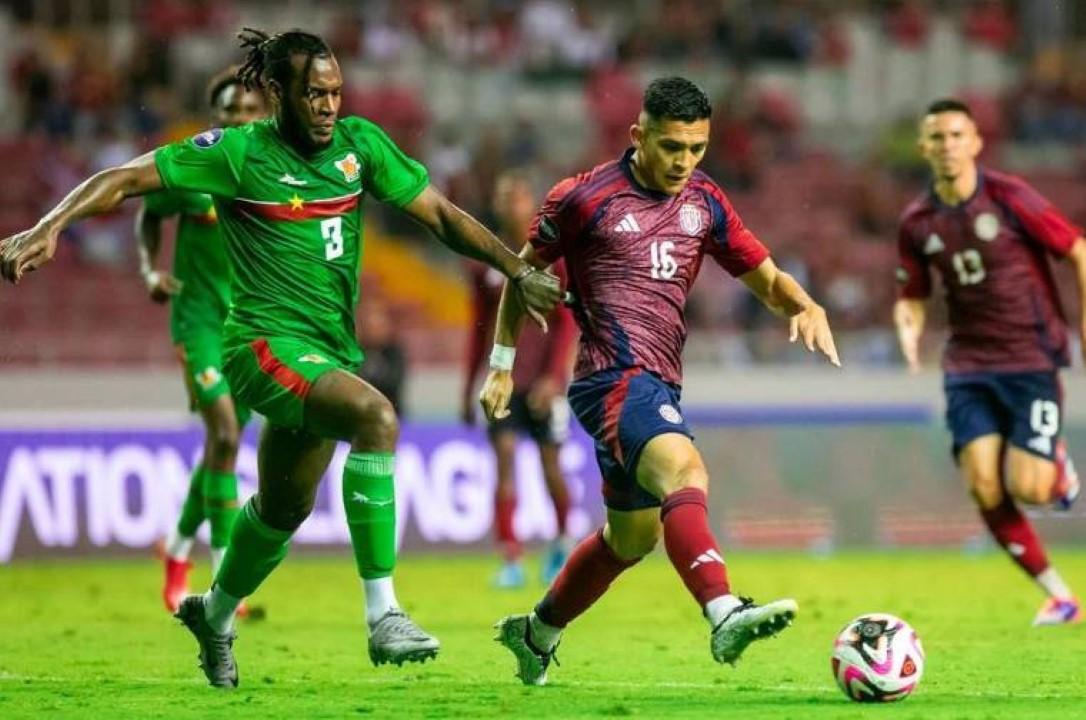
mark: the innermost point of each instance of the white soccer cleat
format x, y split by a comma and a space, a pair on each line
1059, 611
747, 623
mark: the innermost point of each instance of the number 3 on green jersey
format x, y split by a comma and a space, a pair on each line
293, 223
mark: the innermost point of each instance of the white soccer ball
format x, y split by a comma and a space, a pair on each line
877, 658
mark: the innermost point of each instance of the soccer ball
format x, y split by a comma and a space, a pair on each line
877, 658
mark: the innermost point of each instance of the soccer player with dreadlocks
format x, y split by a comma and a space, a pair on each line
198, 291
288, 196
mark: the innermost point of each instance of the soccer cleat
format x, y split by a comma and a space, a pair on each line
510, 577
532, 663
747, 623
176, 586
1068, 486
395, 638
555, 558
1059, 611
216, 649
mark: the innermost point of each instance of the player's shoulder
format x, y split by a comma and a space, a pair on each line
918, 207
701, 182
1001, 184
584, 187
360, 130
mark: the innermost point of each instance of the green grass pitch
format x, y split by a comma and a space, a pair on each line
90, 639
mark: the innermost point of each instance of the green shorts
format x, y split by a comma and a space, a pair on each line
273, 376
200, 355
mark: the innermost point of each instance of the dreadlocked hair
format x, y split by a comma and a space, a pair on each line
268, 56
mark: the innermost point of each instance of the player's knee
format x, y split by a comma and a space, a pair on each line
286, 515
223, 444
376, 426
634, 544
986, 490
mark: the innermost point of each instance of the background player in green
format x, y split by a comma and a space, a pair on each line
287, 192
198, 291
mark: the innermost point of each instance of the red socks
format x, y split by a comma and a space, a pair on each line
1014, 532
691, 546
504, 507
589, 571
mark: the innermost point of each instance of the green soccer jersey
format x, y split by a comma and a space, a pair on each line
199, 261
293, 223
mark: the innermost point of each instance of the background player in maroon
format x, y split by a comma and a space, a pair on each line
633, 233
989, 235
538, 406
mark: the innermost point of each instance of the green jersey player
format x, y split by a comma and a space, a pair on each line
288, 195
198, 291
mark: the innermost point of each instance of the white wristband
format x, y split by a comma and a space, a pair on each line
501, 357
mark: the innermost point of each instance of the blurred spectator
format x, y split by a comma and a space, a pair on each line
908, 23
989, 23
385, 364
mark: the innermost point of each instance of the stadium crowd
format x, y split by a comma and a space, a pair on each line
471, 87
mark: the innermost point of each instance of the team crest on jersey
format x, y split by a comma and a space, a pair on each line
313, 358
207, 138
933, 245
690, 219
349, 167
669, 413
208, 378
986, 226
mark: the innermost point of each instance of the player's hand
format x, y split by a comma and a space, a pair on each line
539, 292
497, 389
467, 410
161, 286
540, 398
813, 327
27, 251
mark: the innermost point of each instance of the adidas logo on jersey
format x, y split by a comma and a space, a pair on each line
933, 245
707, 557
627, 224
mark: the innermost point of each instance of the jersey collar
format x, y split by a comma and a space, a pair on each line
940, 205
626, 163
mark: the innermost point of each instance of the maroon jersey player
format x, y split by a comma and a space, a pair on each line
989, 236
537, 408
633, 233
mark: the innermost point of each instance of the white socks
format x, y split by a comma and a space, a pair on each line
178, 546
718, 608
542, 635
1051, 582
380, 598
219, 609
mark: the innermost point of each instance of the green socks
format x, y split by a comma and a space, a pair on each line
220, 504
255, 550
369, 501
192, 511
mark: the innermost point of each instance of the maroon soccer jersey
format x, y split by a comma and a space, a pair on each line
992, 255
538, 354
632, 255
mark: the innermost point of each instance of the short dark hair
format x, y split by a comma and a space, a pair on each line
268, 56
943, 105
220, 81
676, 98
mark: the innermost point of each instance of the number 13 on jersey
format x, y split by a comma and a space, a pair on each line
332, 234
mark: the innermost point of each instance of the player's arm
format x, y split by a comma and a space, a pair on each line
482, 316
99, 194
780, 292
161, 284
498, 387
537, 290
914, 278
1077, 257
909, 316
